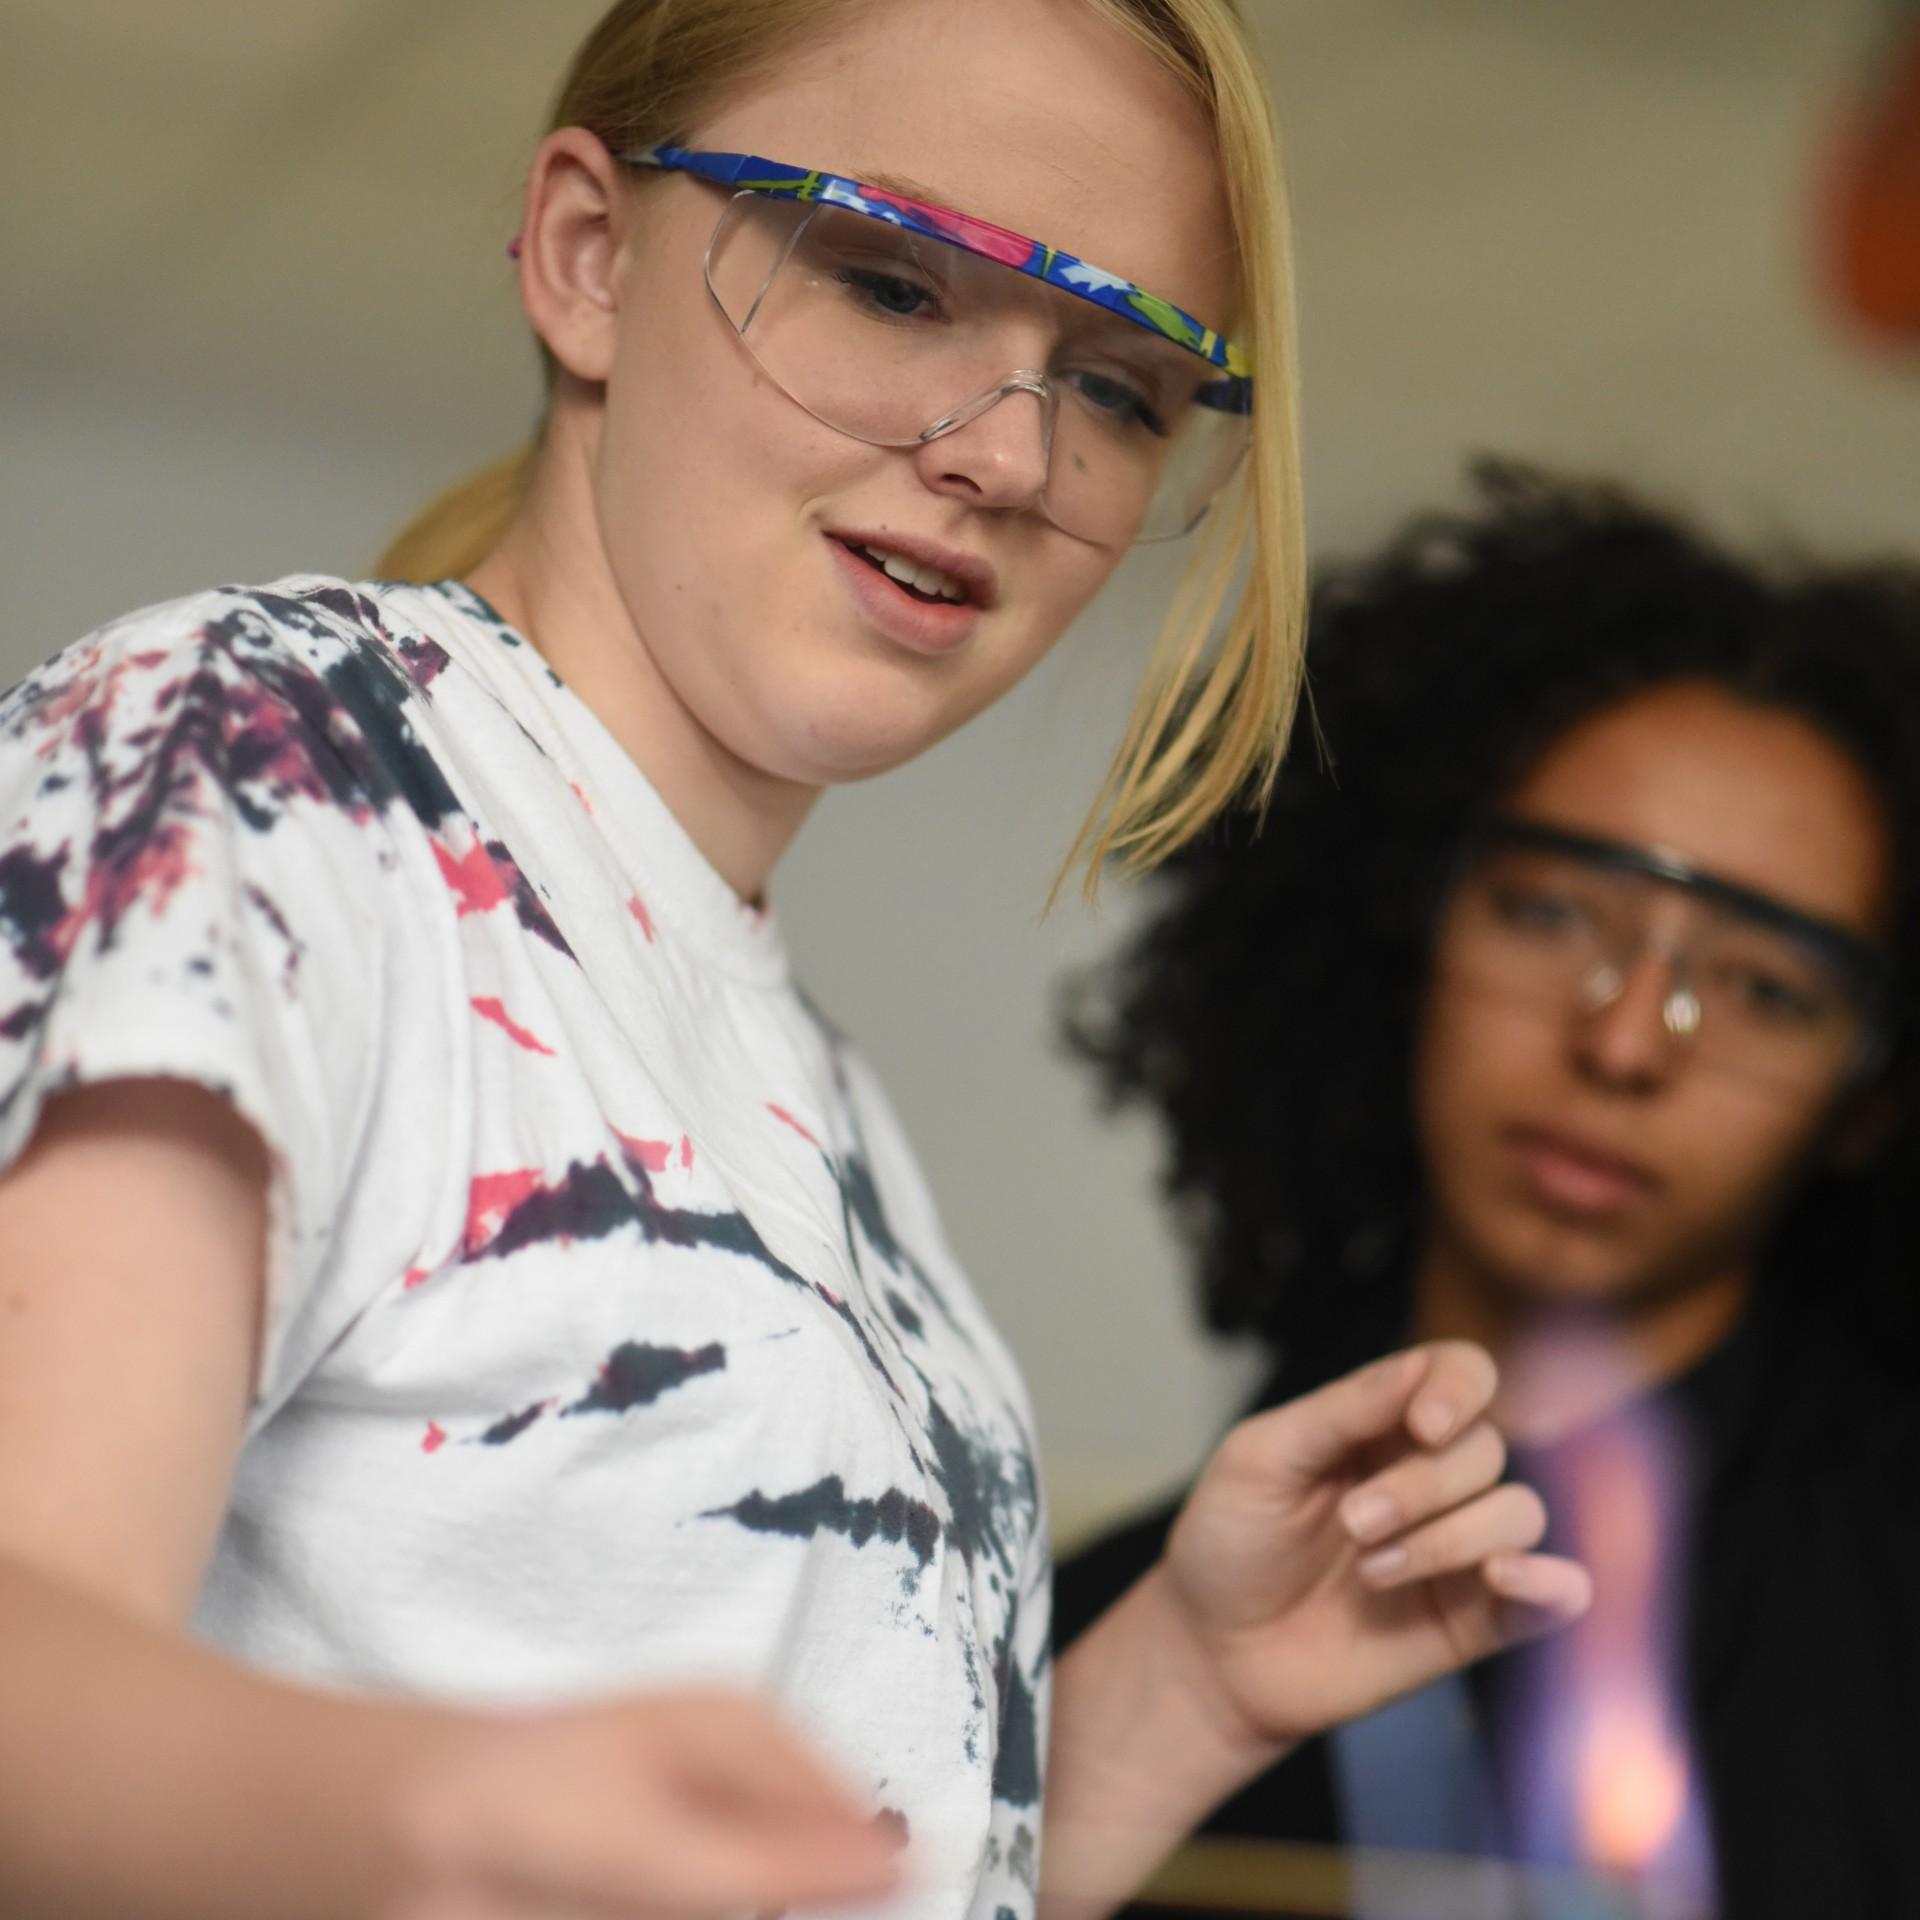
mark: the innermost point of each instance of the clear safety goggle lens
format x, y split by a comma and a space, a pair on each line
1567, 937
896, 339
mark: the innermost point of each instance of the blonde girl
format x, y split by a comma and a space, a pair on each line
492, 1426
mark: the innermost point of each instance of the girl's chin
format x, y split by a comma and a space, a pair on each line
830, 750
1564, 1270
858, 720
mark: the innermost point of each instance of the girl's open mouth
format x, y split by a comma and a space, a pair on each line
926, 584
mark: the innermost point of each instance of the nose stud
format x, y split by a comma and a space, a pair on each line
1681, 1014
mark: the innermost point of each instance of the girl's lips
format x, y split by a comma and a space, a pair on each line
1571, 1175
975, 574
923, 626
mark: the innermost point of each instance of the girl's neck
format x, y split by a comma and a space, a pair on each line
550, 578
1648, 1340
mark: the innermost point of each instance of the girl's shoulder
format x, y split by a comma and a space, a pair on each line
303, 617
211, 872
276, 694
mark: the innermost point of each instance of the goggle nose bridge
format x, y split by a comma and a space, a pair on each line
1606, 980
1020, 380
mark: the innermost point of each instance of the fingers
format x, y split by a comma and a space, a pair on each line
737, 1756
664, 1858
1509, 1598
1431, 1392
1508, 1519
1545, 1589
694, 1804
1458, 1388
761, 1821
704, 1865
1440, 1514
1421, 1486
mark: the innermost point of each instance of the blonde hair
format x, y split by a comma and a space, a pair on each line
1210, 722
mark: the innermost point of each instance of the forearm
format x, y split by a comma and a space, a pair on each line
143, 1777
1143, 1749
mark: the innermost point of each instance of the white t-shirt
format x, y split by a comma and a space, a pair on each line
611, 1338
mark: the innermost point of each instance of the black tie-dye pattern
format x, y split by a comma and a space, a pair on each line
893, 1516
636, 1375
32, 908
585, 1203
263, 904
425, 660
237, 718
24, 1021
590, 1201
342, 733
860, 1196
528, 907
513, 1426
1016, 1760
991, 1493
992, 1499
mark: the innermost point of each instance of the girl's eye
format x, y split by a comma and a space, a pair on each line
1536, 910
1772, 997
1118, 400
889, 294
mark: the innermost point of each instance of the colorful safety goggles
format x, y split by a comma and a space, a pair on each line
749, 173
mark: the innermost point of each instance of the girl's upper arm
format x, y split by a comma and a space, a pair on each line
197, 880
132, 1258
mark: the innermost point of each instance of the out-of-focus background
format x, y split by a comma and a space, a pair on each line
254, 308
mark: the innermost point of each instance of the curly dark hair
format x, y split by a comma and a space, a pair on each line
1267, 1009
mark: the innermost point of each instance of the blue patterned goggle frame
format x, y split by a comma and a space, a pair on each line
749, 173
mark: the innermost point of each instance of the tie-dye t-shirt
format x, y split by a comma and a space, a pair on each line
611, 1338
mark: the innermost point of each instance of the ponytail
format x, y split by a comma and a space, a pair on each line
452, 534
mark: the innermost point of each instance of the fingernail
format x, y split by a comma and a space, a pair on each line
1383, 1564
1432, 1420
1371, 1516
1519, 1578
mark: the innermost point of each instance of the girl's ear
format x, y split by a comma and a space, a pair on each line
569, 251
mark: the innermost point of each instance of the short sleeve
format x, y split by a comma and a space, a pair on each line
189, 891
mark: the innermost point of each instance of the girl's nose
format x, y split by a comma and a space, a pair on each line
999, 458
1633, 1018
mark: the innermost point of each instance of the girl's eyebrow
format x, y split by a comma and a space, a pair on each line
1097, 323
906, 187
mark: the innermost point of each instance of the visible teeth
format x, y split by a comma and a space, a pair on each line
910, 574
942, 586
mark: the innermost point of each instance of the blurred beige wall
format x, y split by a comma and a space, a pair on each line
254, 307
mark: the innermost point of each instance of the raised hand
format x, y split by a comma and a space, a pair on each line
1358, 1542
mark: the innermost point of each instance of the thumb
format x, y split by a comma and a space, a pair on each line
1305, 1439
1431, 1392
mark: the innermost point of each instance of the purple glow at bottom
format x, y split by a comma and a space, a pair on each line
1603, 1778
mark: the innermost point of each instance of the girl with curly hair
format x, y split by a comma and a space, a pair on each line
1564, 1006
